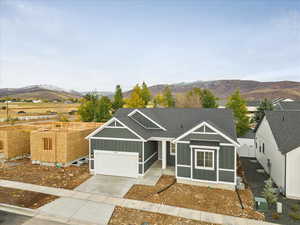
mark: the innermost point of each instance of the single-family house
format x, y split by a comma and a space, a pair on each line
246, 142
292, 105
200, 144
277, 142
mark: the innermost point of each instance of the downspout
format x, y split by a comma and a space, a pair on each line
285, 174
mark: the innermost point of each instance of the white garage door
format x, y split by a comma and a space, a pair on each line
123, 164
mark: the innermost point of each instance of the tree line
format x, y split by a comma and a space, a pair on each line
101, 108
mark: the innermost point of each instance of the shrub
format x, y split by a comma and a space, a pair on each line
295, 207
269, 192
294, 215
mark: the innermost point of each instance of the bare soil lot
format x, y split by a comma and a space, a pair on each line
122, 216
27, 199
23, 171
196, 197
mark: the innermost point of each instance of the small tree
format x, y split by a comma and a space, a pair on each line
145, 93
168, 99
118, 99
158, 100
87, 111
135, 100
269, 192
209, 100
265, 105
239, 108
103, 109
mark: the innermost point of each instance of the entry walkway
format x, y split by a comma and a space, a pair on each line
134, 204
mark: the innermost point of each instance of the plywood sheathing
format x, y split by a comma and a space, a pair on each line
15, 141
68, 142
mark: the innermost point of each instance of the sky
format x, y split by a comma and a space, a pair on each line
96, 44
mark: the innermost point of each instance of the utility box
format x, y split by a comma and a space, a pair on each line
261, 204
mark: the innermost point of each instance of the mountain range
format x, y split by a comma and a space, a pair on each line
250, 89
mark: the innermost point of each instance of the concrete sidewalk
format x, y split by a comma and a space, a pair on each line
86, 198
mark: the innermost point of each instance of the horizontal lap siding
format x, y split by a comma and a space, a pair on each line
116, 133
226, 176
150, 148
184, 172
118, 146
202, 174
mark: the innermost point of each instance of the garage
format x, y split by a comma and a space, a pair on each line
116, 163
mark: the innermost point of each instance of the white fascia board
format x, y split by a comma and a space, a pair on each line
211, 127
147, 117
108, 122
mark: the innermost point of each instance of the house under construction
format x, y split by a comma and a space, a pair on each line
60, 143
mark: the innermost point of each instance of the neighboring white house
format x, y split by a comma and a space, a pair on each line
277, 144
247, 143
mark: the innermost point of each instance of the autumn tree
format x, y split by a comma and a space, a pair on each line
118, 101
145, 93
239, 108
135, 99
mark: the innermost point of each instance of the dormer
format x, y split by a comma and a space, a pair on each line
144, 120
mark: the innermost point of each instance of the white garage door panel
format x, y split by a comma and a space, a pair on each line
116, 163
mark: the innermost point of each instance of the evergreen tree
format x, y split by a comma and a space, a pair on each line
168, 99
269, 192
265, 105
239, 108
118, 99
135, 100
103, 109
208, 99
146, 94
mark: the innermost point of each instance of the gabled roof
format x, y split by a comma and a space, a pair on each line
285, 126
288, 106
249, 135
178, 121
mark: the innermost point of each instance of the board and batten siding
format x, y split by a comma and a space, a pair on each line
226, 167
265, 136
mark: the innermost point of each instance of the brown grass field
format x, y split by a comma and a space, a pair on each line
33, 109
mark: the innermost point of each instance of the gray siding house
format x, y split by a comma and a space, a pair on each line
199, 143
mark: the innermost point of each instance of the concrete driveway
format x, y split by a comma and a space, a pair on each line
79, 210
118, 186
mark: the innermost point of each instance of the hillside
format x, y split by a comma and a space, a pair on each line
38, 92
250, 89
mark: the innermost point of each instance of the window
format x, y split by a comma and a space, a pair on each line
204, 159
263, 148
173, 149
47, 143
1, 145
260, 148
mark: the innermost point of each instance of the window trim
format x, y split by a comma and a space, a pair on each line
204, 150
175, 148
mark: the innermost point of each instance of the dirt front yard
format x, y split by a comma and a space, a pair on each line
196, 197
27, 199
125, 216
23, 171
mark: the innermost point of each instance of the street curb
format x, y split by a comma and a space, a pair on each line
18, 210
36, 213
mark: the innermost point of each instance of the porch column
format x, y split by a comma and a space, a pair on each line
164, 154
